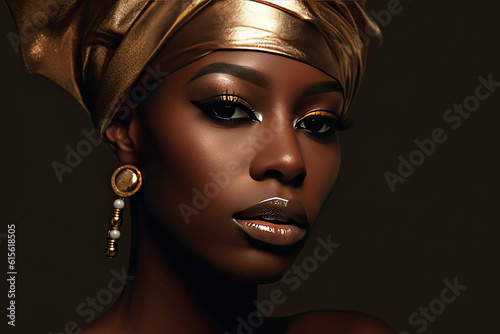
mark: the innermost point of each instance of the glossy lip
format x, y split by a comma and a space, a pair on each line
275, 221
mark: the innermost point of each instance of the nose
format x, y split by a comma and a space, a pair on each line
280, 156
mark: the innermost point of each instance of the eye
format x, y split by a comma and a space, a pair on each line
228, 108
318, 123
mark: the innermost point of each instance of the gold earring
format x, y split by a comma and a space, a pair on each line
126, 181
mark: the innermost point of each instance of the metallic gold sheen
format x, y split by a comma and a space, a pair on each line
98, 49
116, 218
111, 247
126, 180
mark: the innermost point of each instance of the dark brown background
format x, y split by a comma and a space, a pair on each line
397, 248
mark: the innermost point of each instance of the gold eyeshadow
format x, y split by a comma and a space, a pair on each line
322, 113
233, 98
327, 123
317, 123
209, 107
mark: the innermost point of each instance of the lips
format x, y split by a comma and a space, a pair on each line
275, 221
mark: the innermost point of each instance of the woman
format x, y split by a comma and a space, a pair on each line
230, 111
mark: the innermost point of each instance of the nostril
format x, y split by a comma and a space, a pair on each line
298, 179
295, 181
272, 173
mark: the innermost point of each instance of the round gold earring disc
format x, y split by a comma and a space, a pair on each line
126, 180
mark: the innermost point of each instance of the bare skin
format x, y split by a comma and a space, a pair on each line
196, 270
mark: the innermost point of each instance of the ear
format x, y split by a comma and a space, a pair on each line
123, 139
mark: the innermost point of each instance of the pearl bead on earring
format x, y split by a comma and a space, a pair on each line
126, 181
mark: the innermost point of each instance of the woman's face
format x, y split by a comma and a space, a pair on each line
229, 131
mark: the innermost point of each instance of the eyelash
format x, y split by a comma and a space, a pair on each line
329, 119
232, 103
225, 100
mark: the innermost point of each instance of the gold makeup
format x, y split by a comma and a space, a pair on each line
98, 50
319, 123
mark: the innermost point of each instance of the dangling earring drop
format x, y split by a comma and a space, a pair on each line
126, 181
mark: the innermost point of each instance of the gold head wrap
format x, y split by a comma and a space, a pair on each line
98, 49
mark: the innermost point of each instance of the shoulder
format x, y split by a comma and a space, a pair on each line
106, 324
326, 322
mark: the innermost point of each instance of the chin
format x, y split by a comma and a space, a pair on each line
260, 264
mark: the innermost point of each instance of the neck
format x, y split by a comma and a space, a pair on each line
175, 290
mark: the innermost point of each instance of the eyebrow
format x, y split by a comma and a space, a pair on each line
238, 71
324, 87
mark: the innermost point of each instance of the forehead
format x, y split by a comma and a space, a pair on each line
260, 68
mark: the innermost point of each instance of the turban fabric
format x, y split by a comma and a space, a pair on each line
97, 49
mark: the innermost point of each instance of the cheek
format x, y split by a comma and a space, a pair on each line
187, 156
191, 156
178, 158
322, 165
